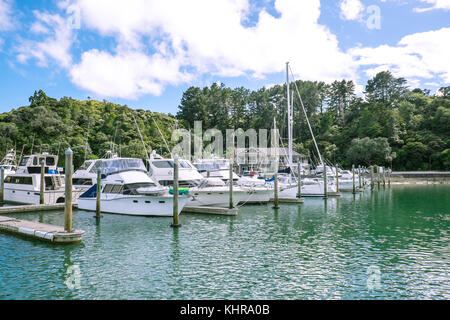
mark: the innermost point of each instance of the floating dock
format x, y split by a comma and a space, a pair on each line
288, 200
210, 210
40, 231
31, 208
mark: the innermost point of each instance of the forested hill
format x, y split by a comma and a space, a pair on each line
393, 124
51, 125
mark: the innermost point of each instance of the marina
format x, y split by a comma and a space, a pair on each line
316, 250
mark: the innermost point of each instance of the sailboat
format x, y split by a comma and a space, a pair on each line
288, 185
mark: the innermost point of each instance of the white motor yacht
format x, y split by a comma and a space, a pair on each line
8, 164
214, 192
23, 186
127, 189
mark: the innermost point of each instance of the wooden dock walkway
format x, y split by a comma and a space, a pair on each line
210, 210
31, 208
40, 231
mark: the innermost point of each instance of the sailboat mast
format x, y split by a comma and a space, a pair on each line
289, 117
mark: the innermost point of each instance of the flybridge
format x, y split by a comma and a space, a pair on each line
110, 166
32, 164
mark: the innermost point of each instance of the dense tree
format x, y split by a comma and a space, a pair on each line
391, 124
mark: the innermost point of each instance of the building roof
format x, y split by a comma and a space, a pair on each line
269, 151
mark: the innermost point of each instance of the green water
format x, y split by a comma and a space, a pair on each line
388, 244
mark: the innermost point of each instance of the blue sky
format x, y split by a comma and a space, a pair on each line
146, 53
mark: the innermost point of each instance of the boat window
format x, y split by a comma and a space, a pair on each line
116, 189
35, 161
108, 188
49, 183
85, 165
163, 164
131, 188
184, 164
24, 161
19, 180
81, 182
50, 161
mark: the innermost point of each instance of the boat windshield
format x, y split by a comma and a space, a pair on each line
109, 166
85, 165
24, 161
212, 166
170, 164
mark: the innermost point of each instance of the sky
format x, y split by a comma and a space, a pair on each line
146, 53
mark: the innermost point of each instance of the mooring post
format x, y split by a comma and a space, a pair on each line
275, 191
371, 178
353, 177
389, 176
42, 189
337, 178
325, 191
359, 177
299, 181
175, 223
231, 205
384, 177
99, 194
2, 185
378, 176
68, 191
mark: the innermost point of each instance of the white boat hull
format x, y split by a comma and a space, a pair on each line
308, 190
219, 197
33, 197
161, 206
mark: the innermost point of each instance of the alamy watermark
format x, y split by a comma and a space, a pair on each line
73, 277
374, 279
73, 17
374, 19
244, 147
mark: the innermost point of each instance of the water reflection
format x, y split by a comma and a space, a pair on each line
318, 249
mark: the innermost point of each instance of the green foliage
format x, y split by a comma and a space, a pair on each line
50, 125
367, 151
391, 121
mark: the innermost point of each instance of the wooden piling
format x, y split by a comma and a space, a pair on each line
378, 176
231, 205
384, 177
299, 181
359, 177
275, 191
68, 191
325, 193
389, 177
42, 187
353, 177
99, 194
2, 186
175, 223
337, 178
371, 178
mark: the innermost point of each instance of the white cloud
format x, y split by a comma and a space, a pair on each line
55, 46
351, 9
204, 37
436, 4
126, 74
420, 55
6, 21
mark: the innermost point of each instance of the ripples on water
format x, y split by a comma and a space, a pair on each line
388, 244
